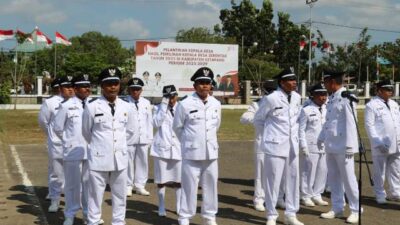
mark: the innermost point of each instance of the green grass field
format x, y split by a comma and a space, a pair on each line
21, 127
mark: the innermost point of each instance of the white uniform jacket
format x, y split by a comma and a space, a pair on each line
196, 125
47, 113
166, 144
143, 126
383, 125
248, 118
339, 131
107, 134
311, 121
68, 126
280, 122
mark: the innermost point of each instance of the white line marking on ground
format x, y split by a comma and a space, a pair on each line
28, 184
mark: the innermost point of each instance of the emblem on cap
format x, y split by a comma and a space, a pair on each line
69, 78
86, 76
111, 72
292, 69
135, 81
168, 90
206, 72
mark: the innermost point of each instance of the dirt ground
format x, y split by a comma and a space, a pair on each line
23, 187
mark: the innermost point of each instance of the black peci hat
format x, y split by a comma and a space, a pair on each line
169, 91
81, 80
329, 74
135, 82
55, 83
318, 88
66, 81
204, 73
286, 74
385, 84
110, 74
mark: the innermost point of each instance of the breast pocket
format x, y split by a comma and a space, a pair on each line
73, 116
196, 118
99, 122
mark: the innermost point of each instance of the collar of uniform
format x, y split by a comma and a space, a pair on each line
338, 93
196, 96
104, 99
284, 95
381, 99
130, 99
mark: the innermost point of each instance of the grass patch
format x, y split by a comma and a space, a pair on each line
21, 127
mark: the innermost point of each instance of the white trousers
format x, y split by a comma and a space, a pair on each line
313, 173
342, 176
386, 166
192, 172
56, 184
276, 169
138, 165
76, 187
97, 185
259, 192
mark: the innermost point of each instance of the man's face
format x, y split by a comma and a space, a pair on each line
145, 77
203, 88
158, 77
289, 85
385, 93
319, 98
110, 89
173, 100
67, 91
82, 91
218, 79
228, 80
135, 92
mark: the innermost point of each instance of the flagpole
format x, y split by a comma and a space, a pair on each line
15, 74
36, 28
55, 60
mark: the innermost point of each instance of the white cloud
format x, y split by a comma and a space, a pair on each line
128, 28
39, 11
194, 13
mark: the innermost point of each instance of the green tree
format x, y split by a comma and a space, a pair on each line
202, 35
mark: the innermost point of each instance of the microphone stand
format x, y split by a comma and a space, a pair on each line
361, 151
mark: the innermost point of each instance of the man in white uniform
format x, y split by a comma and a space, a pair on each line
248, 118
44, 117
313, 170
106, 125
166, 149
138, 146
382, 123
279, 114
55, 143
196, 123
68, 126
339, 136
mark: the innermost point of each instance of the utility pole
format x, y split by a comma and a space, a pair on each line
310, 3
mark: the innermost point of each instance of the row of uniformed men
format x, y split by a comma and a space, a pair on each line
95, 142
326, 136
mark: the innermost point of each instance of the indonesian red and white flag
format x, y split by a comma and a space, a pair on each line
326, 47
40, 37
314, 44
61, 39
48, 40
6, 34
302, 44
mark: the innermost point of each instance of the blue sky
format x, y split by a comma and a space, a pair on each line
143, 19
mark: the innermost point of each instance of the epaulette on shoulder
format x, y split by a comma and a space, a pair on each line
183, 98
64, 101
92, 100
124, 99
257, 100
